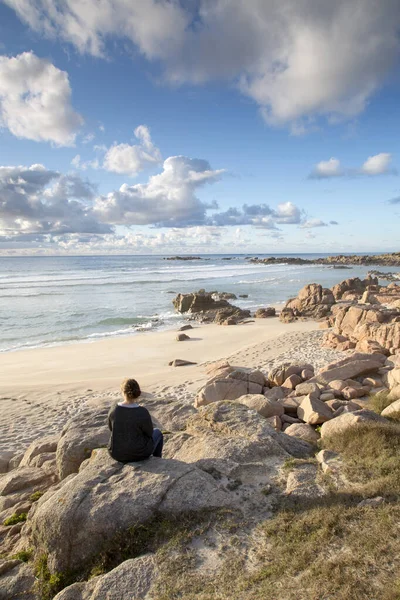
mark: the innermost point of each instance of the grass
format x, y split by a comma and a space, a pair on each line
15, 518
378, 402
35, 496
23, 555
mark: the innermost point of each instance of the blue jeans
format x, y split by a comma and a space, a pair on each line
158, 440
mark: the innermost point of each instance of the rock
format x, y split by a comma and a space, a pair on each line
303, 431
179, 362
83, 433
243, 295
107, 497
219, 369
288, 419
250, 376
263, 313
197, 302
275, 422
330, 461
337, 385
292, 381
23, 479
372, 381
185, 327
346, 408
307, 374
392, 409
353, 366
291, 403
313, 301
306, 388
4, 461
182, 337
225, 389
277, 375
327, 396
17, 581
229, 321
131, 580
41, 446
168, 414
15, 461
349, 393
371, 502
355, 284
349, 420
232, 421
275, 393
265, 407
314, 411
301, 482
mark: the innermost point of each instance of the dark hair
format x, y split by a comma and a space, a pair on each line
130, 388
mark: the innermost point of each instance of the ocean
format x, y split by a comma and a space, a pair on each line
57, 300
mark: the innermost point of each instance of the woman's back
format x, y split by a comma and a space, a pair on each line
131, 433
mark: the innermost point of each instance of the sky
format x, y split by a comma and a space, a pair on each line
199, 126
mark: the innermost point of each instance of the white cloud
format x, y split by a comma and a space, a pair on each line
327, 168
296, 59
35, 100
167, 199
311, 223
130, 160
374, 165
77, 163
36, 201
378, 164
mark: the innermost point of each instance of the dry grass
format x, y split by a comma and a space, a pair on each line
378, 402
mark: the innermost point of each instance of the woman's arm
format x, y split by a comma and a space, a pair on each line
110, 419
146, 424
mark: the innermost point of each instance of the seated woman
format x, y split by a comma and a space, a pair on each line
132, 434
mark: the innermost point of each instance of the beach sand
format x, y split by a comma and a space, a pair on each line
40, 389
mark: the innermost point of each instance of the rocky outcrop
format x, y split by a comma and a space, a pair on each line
76, 522
264, 313
387, 260
313, 302
209, 307
350, 367
348, 421
354, 285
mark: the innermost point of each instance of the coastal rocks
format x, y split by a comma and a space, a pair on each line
179, 362
182, 337
314, 411
392, 409
265, 407
210, 307
185, 327
354, 285
83, 433
132, 579
350, 367
301, 482
264, 313
46, 446
348, 421
107, 497
225, 389
17, 581
198, 302
313, 301
303, 431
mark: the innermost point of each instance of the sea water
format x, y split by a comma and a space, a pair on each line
57, 300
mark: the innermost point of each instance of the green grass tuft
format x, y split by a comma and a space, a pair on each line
14, 519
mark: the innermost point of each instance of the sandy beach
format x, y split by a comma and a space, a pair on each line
42, 388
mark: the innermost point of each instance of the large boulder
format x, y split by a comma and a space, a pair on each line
107, 497
392, 409
350, 367
131, 580
265, 407
303, 431
17, 581
354, 284
225, 389
198, 302
348, 421
46, 446
313, 411
82, 434
313, 301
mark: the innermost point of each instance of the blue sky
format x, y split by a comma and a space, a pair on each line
192, 126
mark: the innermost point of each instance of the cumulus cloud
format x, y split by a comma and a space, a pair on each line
35, 100
379, 164
394, 200
311, 223
130, 160
296, 60
168, 199
36, 201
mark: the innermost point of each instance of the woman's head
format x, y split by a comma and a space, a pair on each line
130, 389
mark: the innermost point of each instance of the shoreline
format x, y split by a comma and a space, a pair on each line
42, 389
